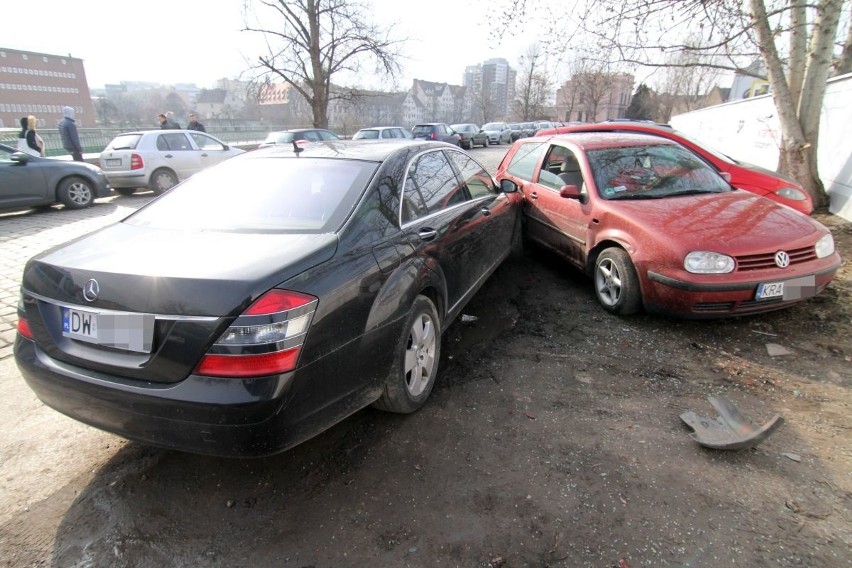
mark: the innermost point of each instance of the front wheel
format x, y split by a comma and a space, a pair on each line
616, 283
75, 193
415, 364
485, 145
162, 181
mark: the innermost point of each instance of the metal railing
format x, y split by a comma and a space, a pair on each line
94, 140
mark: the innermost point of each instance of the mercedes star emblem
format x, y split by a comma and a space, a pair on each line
90, 290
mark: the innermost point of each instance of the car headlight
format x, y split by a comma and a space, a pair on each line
703, 262
792, 194
824, 246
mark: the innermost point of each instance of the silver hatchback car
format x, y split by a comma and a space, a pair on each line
159, 159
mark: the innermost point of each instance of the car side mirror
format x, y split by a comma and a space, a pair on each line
570, 192
508, 186
21, 157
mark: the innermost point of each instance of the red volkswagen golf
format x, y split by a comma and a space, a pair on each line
745, 176
657, 227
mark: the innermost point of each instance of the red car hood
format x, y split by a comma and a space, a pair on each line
735, 223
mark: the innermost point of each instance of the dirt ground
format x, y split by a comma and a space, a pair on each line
552, 438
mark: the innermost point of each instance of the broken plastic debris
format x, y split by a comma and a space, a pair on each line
467, 319
792, 456
776, 350
731, 430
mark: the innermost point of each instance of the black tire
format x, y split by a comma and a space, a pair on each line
419, 349
75, 193
616, 283
485, 145
125, 190
162, 180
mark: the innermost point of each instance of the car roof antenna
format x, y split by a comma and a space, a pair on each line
297, 149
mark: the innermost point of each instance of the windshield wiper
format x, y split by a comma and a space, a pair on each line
692, 192
637, 196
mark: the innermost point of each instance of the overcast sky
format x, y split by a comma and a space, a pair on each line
198, 41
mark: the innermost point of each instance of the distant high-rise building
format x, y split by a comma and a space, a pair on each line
40, 84
493, 86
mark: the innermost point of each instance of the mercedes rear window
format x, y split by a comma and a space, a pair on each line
260, 195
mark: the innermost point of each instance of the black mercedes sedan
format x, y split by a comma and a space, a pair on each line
266, 298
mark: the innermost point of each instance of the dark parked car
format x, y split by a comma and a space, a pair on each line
437, 131
744, 176
259, 321
300, 136
528, 129
31, 181
517, 130
470, 135
657, 227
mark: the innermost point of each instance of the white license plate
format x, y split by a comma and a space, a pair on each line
113, 162
131, 332
769, 290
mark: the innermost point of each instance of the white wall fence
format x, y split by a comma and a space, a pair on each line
749, 130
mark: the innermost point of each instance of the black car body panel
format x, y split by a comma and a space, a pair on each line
365, 273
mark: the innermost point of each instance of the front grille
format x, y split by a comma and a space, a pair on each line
767, 260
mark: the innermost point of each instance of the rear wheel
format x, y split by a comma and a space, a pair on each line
415, 364
485, 145
162, 180
616, 283
75, 193
125, 190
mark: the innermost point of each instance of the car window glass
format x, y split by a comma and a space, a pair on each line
312, 136
525, 159
205, 142
175, 142
304, 195
474, 176
124, 142
326, 135
5, 155
652, 171
431, 185
421, 130
551, 167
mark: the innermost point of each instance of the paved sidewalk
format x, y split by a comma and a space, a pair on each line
25, 234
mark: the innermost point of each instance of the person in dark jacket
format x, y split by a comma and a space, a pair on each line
69, 135
166, 124
194, 124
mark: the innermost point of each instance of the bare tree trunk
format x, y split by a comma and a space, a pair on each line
800, 122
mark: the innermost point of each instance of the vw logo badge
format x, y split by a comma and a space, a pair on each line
90, 290
782, 259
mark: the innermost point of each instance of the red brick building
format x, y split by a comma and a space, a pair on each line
41, 84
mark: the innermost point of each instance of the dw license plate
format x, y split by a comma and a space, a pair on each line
128, 331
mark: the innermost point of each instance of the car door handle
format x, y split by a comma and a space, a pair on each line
533, 195
204, 155
168, 156
485, 211
427, 234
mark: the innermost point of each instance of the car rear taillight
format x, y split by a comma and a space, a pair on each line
136, 162
24, 328
434, 136
265, 340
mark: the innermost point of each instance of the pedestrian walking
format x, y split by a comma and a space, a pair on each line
194, 124
166, 124
70, 137
22, 138
34, 141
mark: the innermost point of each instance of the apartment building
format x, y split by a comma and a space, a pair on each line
40, 84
